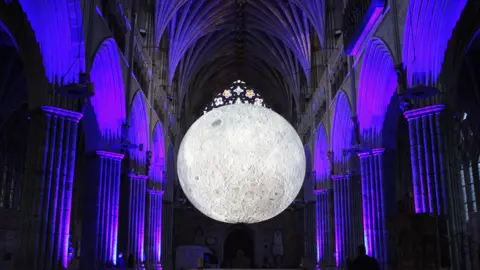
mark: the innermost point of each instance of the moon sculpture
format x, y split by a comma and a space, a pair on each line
241, 163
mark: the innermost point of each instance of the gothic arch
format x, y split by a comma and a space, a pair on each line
59, 31
138, 132
342, 132
428, 27
467, 28
14, 22
377, 85
321, 164
249, 232
14, 123
463, 56
105, 115
158, 154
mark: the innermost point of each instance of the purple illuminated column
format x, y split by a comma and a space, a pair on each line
380, 226
101, 210
365, 161
136, 217
373, 204
325, 228
47, 197
154, 228
427, 152
340, 233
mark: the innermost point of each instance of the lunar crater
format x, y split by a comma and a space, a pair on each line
216, 123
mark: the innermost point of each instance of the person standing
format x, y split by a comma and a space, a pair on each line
363, 261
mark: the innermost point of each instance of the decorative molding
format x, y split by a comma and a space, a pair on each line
137, 176
378, 151
155, 191
50, 110
319, 191
107, 154
337, 176
364, 154
415, 113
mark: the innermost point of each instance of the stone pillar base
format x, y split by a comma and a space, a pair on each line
157, 266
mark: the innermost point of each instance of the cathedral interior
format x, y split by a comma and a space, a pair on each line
96, 96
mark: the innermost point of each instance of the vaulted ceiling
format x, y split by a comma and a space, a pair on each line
266, 43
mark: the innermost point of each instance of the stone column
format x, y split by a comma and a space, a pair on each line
427, 152
475, 188
353, 208
154, 228
367, 202
47, 197
167, 233
135, 236
340, 220
325, 228
101, 210
167, 219
373, 202
348, 217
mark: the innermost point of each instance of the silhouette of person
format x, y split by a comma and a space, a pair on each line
363, 261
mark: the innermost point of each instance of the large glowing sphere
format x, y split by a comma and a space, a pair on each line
241, 164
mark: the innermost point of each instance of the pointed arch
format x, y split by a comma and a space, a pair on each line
138, 133
158, 154
104, 117
15, 24
428, 27
342, 131
58, 28
377, 85
321, 164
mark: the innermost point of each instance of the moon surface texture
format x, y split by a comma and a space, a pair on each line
241, 163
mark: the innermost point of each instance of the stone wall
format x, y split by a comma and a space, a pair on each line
9, 225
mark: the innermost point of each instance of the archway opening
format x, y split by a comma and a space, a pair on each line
465, 134
240, 240
13, 121
468, 129
14, 127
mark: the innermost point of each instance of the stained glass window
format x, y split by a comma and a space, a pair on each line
237, 93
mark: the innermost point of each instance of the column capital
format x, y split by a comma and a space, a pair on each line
337, 176
433, 109
155, 191
378, 151
319, 191
51, 110
364, 154
137, 176
107, 154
